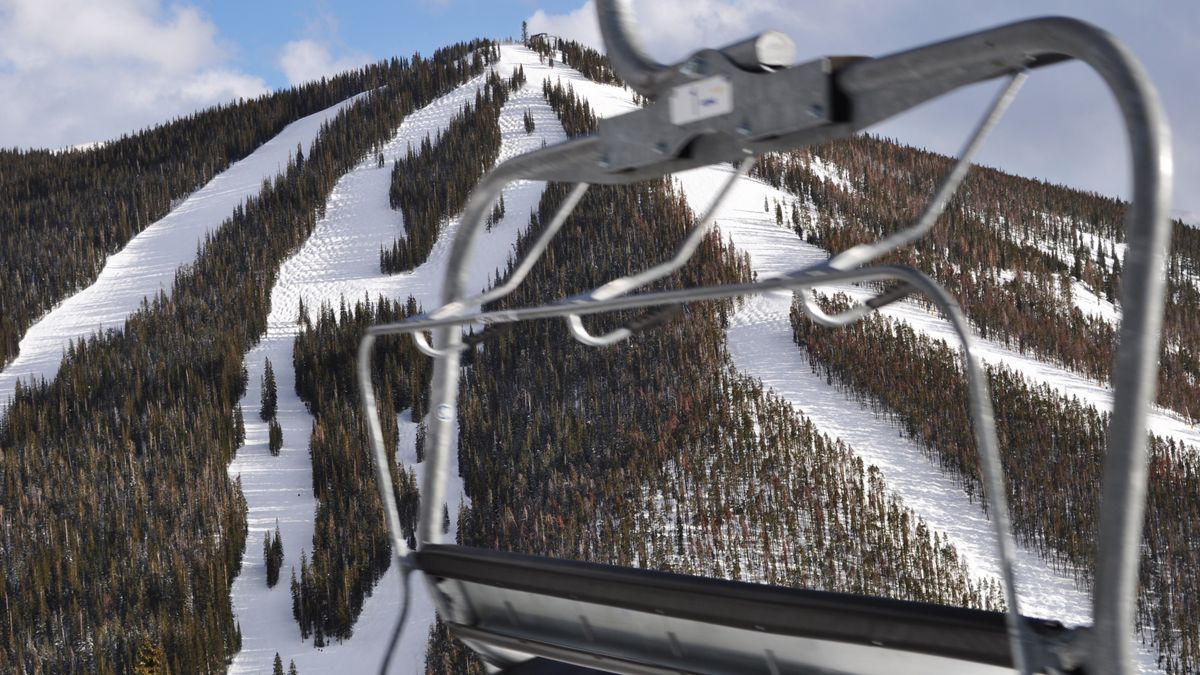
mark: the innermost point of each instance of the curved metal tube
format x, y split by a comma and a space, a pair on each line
629, 61
878, 89
988, 444
1147, 233
864, 253
518, 275
383, 480
623, 285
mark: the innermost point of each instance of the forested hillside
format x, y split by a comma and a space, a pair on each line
65, 212
432, 183
1026, 258
658, 454
121, 525
1052, 448
122, 530
350, 548
1017, 253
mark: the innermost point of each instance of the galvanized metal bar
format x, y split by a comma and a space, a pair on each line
523, 268
864, 253
885, 85
629, 61
623, 285
383, 480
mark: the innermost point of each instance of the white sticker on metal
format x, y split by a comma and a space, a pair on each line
701, 99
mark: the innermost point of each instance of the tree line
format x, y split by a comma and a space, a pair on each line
1052, 449
122, 526
573, 111
656, 453
431, 185
66, 212
1007, 247
350, 547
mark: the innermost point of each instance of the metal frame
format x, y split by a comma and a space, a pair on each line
778, 109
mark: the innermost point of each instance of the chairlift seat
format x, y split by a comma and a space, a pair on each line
527, 614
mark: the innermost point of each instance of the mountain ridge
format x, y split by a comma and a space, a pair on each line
607, 102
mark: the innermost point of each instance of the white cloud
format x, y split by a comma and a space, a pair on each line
307, 60
1063, 127
671, 29
579, 25
77, 71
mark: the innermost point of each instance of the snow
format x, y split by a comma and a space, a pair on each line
341, 260
148, 262
760, 342
1093, 305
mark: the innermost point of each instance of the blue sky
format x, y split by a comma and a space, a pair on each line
77, 71
261, 28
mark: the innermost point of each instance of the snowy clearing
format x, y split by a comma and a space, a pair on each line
148, 262
761, 345
341, 260
760, 342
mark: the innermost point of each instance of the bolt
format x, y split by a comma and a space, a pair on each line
744, 128
661, 147
604, 163
695, 67
816, 110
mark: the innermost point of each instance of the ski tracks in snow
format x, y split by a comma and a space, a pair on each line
148, 262
761, 345
341, 260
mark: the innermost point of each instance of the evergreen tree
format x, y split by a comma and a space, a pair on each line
150, 659
239, 425
142, 461
292, 670
274, 437
276, 557
269, 394
267, 557
273, 555
277, 668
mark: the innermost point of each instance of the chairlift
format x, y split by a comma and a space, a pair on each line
524, 614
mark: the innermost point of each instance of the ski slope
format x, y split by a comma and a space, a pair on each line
341, 260
148, 262
761, 345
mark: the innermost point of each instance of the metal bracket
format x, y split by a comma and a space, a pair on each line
718, 97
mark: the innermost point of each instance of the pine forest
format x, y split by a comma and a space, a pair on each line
122, 530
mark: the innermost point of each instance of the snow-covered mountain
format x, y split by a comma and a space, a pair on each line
339, 262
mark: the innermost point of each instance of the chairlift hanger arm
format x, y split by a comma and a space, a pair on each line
823, 99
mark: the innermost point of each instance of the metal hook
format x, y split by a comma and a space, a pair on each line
623, 285
518, 275
856, 256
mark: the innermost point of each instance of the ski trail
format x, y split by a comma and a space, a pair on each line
341, 259
761, 345
148, 262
